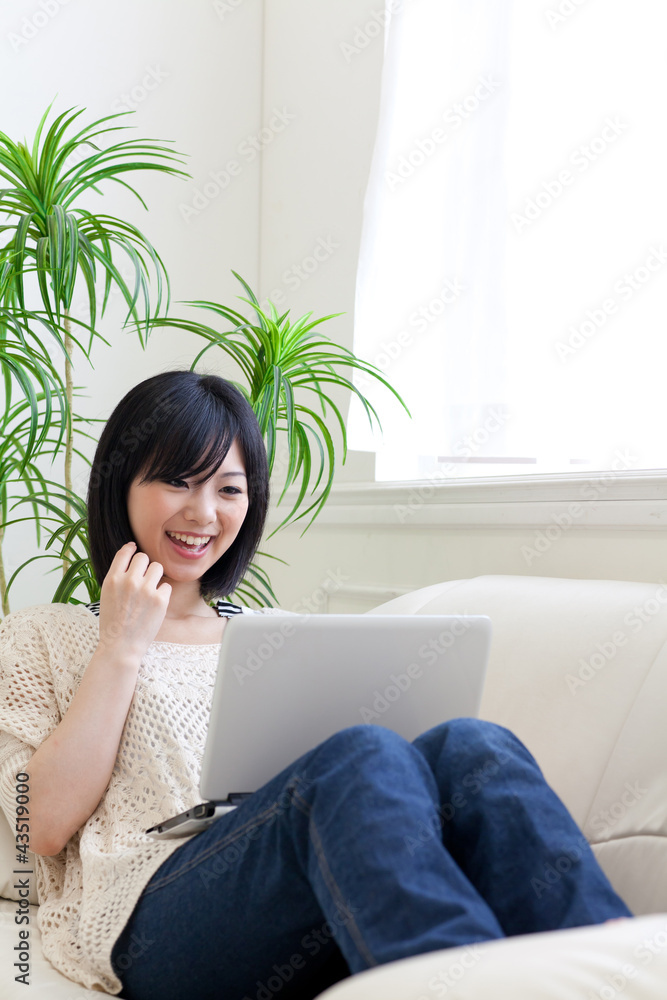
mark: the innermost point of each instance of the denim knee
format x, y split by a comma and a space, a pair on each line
477, 734
361, 739
463, 737
470, 743
359, 748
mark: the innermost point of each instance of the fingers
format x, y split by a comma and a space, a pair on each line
152, 573
129, 560
133, 601
123, 557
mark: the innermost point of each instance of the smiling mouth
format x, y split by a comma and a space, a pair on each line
190, 543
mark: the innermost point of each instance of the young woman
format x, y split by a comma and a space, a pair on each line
366, 850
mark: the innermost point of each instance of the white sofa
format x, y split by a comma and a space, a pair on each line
578, 670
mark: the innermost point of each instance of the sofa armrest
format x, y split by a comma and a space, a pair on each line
626, 958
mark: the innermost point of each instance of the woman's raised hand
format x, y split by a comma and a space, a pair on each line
133, 602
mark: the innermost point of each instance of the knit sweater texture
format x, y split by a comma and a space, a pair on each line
87, 892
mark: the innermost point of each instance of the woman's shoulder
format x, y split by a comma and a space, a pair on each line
227, 610
47, 618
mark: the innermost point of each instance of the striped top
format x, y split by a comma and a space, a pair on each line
225, 609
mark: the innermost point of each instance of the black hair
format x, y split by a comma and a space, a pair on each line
176, 425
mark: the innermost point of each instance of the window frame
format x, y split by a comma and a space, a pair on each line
608, 499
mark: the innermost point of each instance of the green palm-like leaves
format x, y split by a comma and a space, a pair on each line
68, 539
34, 374
50, 245
281, 361
27, 364
18, 470
62, 242
256, 587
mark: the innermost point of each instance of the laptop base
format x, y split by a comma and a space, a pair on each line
195, 820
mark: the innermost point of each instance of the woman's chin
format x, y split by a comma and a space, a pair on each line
184, 574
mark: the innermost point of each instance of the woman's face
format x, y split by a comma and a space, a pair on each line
187, 525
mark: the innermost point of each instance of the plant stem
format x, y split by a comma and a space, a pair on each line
69, 346
3, 580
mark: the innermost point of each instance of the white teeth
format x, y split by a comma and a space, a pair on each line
190, 539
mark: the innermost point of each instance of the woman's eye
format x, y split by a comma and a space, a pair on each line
231, 490
176, 482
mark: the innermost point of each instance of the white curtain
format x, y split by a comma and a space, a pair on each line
512, 280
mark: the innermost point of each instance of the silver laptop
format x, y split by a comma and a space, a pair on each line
286, 682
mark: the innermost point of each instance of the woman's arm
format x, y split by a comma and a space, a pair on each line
72, 768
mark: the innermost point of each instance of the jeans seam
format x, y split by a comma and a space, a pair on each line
254, 823
330, 881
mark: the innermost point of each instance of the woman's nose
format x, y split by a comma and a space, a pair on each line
200, 506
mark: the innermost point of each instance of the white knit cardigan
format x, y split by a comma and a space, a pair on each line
88, 891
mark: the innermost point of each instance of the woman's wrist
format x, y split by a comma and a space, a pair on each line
118, 654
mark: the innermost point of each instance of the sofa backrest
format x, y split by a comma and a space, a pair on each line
578, 670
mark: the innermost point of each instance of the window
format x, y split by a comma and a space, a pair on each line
512, 282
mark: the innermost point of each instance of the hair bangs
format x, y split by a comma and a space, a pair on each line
192, 445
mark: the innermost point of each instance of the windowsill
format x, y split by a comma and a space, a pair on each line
626, 499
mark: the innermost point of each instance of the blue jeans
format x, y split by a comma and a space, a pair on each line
366, 850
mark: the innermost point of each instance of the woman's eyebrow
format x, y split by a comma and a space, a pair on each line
223, 475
